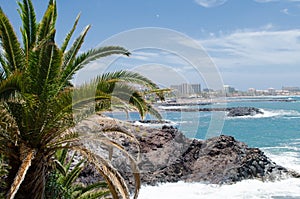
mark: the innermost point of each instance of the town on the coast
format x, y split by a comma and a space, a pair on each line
186, 90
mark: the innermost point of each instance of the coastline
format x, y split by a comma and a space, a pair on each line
214, 100
168, 156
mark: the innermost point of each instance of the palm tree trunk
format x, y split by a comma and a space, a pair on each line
26, 163
34, 183
32, 186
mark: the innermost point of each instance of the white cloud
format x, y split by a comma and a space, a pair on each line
210, 3
143, 56
215, 3
268, 26
254, 58
267, 1
158, 56
255, 48
285, 11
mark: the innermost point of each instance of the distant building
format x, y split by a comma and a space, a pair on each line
252, 91
208, 90
228, 89
291, 88
186, 89
196, 88
271, 91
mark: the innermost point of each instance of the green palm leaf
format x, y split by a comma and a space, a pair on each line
69, 35
71, 54
10, 85
72, 64
13, 53
29, 28
47, 25
126, 77
44, 69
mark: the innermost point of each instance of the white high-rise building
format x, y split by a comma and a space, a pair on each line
186, 89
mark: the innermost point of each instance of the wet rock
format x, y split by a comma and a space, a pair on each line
243, 111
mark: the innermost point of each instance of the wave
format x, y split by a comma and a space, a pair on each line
173, 107
287, 156
157, 124
289, 188
289, 114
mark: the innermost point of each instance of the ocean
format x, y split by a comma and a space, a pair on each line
276, 132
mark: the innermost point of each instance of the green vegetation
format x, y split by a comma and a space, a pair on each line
62, 181
39, 106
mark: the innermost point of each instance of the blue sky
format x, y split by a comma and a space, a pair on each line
253, 43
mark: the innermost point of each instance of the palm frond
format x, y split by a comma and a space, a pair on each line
29, 28
62, 155
121, 85
111, 143
10, 85
100, 184
69, 35
61, 139
92, 191
9, 134
131, 96
72, 53
9, 42
44, 69
94, 194
154, 112
116, 183
59, 167
127, 77
83, 59
47, 25
73, 174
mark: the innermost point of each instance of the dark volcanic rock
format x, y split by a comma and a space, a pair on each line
168, 156
232, 111
243, 111
217, 160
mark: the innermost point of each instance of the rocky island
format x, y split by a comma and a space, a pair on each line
231, 111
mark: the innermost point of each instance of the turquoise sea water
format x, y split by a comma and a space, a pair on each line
276, 132
278, 127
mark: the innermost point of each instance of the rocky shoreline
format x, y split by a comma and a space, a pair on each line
166, 155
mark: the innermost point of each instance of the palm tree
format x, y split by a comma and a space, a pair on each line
39, 106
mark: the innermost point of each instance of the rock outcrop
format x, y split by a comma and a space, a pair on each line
243, 111
166, 155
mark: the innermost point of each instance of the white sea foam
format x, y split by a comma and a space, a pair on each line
272, 113
289, 188
287, 156
254, 189
173, 107
158, 125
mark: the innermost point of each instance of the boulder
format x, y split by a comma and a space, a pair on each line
243, 111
